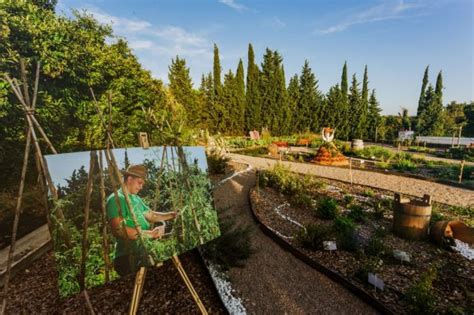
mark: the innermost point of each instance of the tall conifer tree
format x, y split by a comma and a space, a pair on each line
373, 117
364, 105
293, 101
240, 97
345, 119
421, 100
354, 105
181, 87
253, 104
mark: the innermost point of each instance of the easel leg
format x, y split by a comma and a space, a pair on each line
188, 283
137, 290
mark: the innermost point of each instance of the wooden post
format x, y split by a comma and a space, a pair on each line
350, 168
461, 171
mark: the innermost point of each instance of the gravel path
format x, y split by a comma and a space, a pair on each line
273, 281
405, 185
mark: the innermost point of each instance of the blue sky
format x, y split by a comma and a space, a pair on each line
396, 39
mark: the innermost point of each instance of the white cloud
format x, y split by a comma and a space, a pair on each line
120, 24
141, 44
274, 23
234, 5
388, 10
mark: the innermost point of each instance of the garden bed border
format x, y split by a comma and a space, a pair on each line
336, 277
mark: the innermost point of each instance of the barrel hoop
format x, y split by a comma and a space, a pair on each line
415, 215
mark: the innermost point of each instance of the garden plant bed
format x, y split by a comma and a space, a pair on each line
406, 165
451, 289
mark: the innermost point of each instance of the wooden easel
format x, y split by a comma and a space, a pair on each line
28, 105
141, 274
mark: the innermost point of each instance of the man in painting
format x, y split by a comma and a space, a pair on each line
129, 254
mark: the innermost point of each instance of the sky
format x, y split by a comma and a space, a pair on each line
396, 39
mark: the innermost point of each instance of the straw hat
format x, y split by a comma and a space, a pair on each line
138, 170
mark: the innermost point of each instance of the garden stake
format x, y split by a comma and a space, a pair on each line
461, 171
105, 242
42, 169
82, 273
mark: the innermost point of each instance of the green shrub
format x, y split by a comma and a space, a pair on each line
404, 165
313, 236
375, 151
216, 163
375, 247
368, 193
232, 248
327, 208
302, 199
357, 213
420, 296
281, 178
348, 199
380, 207
345, 232
370, 264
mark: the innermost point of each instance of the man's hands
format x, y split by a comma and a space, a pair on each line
157, 232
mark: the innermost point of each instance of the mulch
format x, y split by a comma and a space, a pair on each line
35, 290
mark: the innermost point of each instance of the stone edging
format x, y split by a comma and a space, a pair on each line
334, 276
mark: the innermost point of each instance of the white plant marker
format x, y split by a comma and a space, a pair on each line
330, 245
376, 281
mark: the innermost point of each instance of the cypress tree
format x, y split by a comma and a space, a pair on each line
281, 108
209, 113
217, 71
253, 106
181, 87
240, 98
354, 105
293, 101
430, 122
333, 107
345, 119
373, 117
364, 104
308, 98
421, 100
228, 124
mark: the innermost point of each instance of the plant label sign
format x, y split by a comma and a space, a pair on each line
374, 280
330, 245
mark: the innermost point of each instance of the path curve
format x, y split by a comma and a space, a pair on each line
273, 281
410, 186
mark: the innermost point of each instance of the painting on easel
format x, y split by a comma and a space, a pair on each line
123, 209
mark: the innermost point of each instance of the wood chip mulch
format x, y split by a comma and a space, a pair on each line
35, 290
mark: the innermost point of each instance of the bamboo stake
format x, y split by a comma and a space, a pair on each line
105, 242
25, 82
82, 274
16, 220
35, 91
137, 290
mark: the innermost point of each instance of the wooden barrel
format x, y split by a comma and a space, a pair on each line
411, 219
357, 144
452, 229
